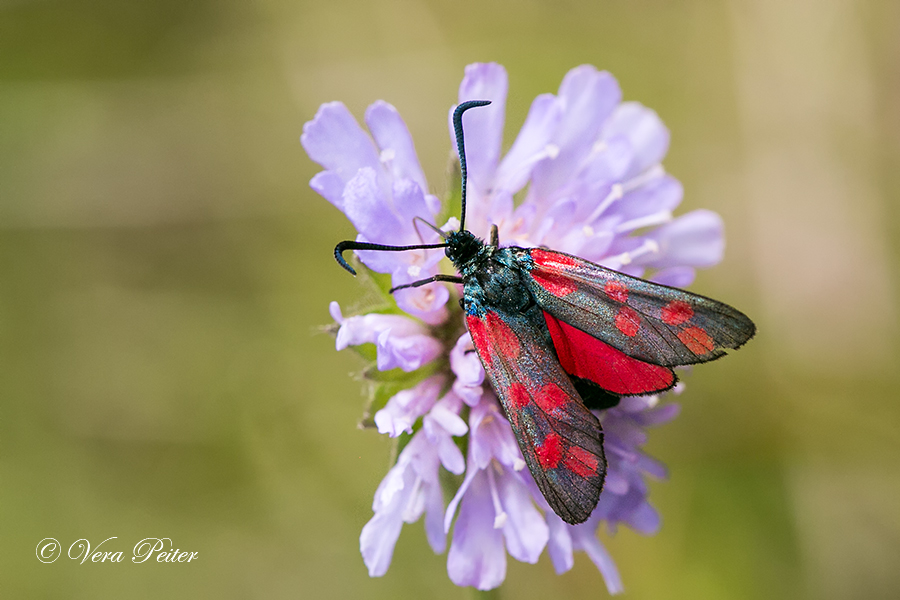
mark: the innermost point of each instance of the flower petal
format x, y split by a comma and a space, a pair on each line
525, 530
406, 352
409, 202
531, 144
405, 407
646, 132
469, 373
329, 185
392, 136
476, 556
365, 329
680, 277
559, 544
369, 211
483, 126
491, 437
585, 539
377, 541
589, 97
658, 195
696, 239
336, 141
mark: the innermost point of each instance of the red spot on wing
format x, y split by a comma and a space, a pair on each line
589, 358
479, 338
553, 260
616, 290
581, 462
550, 451
698, 341
557, 284
502, 338
518, 396
677, 312
551, 397
628, 321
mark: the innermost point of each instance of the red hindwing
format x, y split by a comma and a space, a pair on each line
588, 358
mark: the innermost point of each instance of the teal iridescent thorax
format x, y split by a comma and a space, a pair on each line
492, 276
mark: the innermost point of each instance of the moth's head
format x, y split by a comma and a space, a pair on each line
462, 246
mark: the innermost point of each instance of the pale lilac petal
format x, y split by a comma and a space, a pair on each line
377, 541
466, 365
559, 544
451, 456
336, 141
369, 210
334, 309
425, 302
331, 186
484, 125
652, 467
491, 437
400, 342
476, 556
409, 202
615, 483
659, 415
525, 529
585, 539
434, 518
365, 329
471, 473
644, 520
392, 136
407, 353
634, 404
405, 407
439, 426
588, 97
645, 131
662, 194
608, 162
696, 239
680, 277
379, 535
531, 144
451, 422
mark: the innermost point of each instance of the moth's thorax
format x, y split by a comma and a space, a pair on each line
495, 280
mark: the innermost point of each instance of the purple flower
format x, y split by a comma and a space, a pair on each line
586, 169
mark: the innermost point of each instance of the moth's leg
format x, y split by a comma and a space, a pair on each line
495, 236
438, 277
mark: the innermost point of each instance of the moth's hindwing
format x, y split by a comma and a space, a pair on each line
590, 359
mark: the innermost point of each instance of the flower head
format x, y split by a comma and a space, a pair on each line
583, 176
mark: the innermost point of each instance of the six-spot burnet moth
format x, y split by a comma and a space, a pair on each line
559, 336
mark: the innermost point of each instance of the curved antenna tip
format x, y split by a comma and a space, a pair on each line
461, 150
339, 256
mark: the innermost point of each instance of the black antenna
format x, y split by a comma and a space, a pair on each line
461, 146
351, 245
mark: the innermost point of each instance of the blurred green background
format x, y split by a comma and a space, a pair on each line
165, 269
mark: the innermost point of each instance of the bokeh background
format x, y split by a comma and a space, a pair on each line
165, 270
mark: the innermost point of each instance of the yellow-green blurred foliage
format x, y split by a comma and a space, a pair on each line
164, 269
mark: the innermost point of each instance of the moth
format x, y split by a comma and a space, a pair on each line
559, 336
